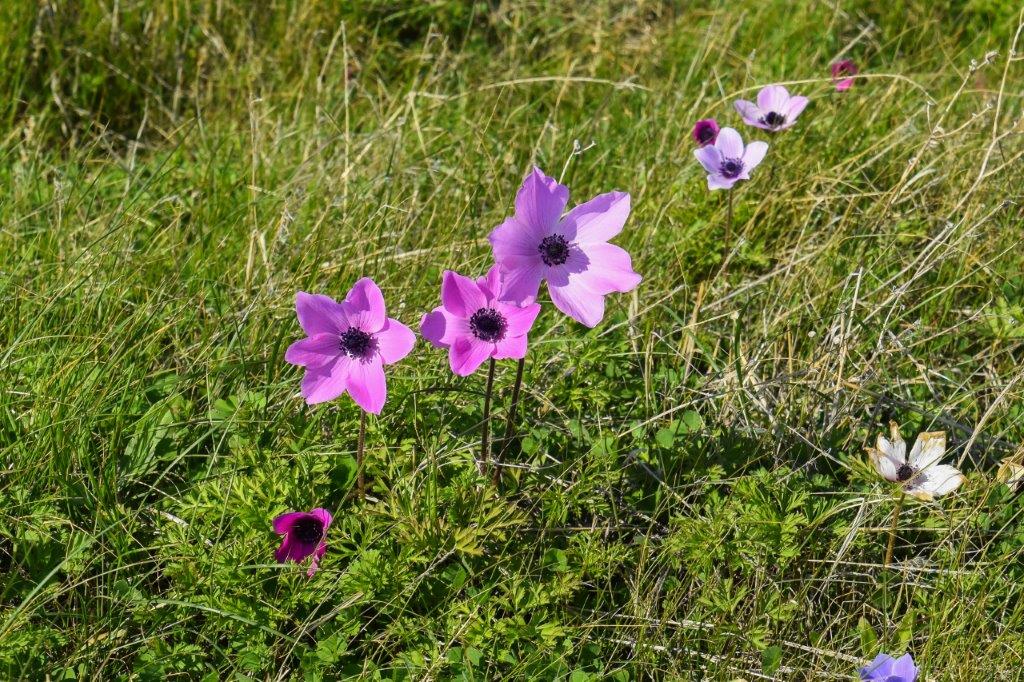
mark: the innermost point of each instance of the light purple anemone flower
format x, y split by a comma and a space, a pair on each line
571, 253
705, 131
775, 109
347, 345
475, 322
727, 161
843, 72
304, 534
885, 668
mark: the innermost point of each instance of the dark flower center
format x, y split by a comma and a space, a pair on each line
356, 343
554, 250
904, 473
705, 134
774, 119
308, 530
487, 324
731, 168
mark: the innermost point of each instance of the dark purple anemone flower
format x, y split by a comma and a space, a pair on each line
705, 131
304, 534
843, 72
885, 668
727, 161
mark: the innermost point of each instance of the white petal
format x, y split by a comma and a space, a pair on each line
884, 465
935, 482
896, 449
928, 449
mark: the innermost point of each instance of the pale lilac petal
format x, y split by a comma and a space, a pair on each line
490, 284
441, 328
460, 295
321, 384
514, 238
597, 220
710, 158
366, 384
878, 669
519, 318
510, 348
467, 354
365, 306
611, 269
794, 108
730, 144
319, 314
753, 155
540, 201
749, 112
394, 341
314, 351
283, 523
773, 98
719, 182
904, 668
577, 301
521, 279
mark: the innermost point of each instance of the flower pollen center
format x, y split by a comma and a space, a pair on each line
554, 250
904, 473
487, 324
356, 343
773, 119
731, 168
308, 530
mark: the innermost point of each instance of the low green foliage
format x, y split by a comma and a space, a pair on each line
688, 496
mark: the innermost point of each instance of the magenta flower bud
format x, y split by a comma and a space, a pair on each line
842, 74
305, 535
775, 109
347, 346
705, 131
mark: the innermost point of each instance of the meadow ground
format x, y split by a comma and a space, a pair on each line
690, 497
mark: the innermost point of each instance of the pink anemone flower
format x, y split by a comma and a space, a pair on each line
475, 322
571, 252
727, 161
775, 109
843, 72
347, 346
305, 535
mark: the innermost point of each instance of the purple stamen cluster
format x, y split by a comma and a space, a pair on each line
487, 324
356, 343
308, 530
554, 250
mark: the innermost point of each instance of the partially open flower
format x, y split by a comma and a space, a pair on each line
705, 131
304, 535
885, 668
775, 109
843, 72
920, 474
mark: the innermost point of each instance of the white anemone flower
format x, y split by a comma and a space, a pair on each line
1011, 473
921, 475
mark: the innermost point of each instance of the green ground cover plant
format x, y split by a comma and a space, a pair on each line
688, 495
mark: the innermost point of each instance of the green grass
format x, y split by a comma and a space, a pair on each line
690, 499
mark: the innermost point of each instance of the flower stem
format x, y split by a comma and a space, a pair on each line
485, 445
892, 529
510, 421
728, 224
360, 449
